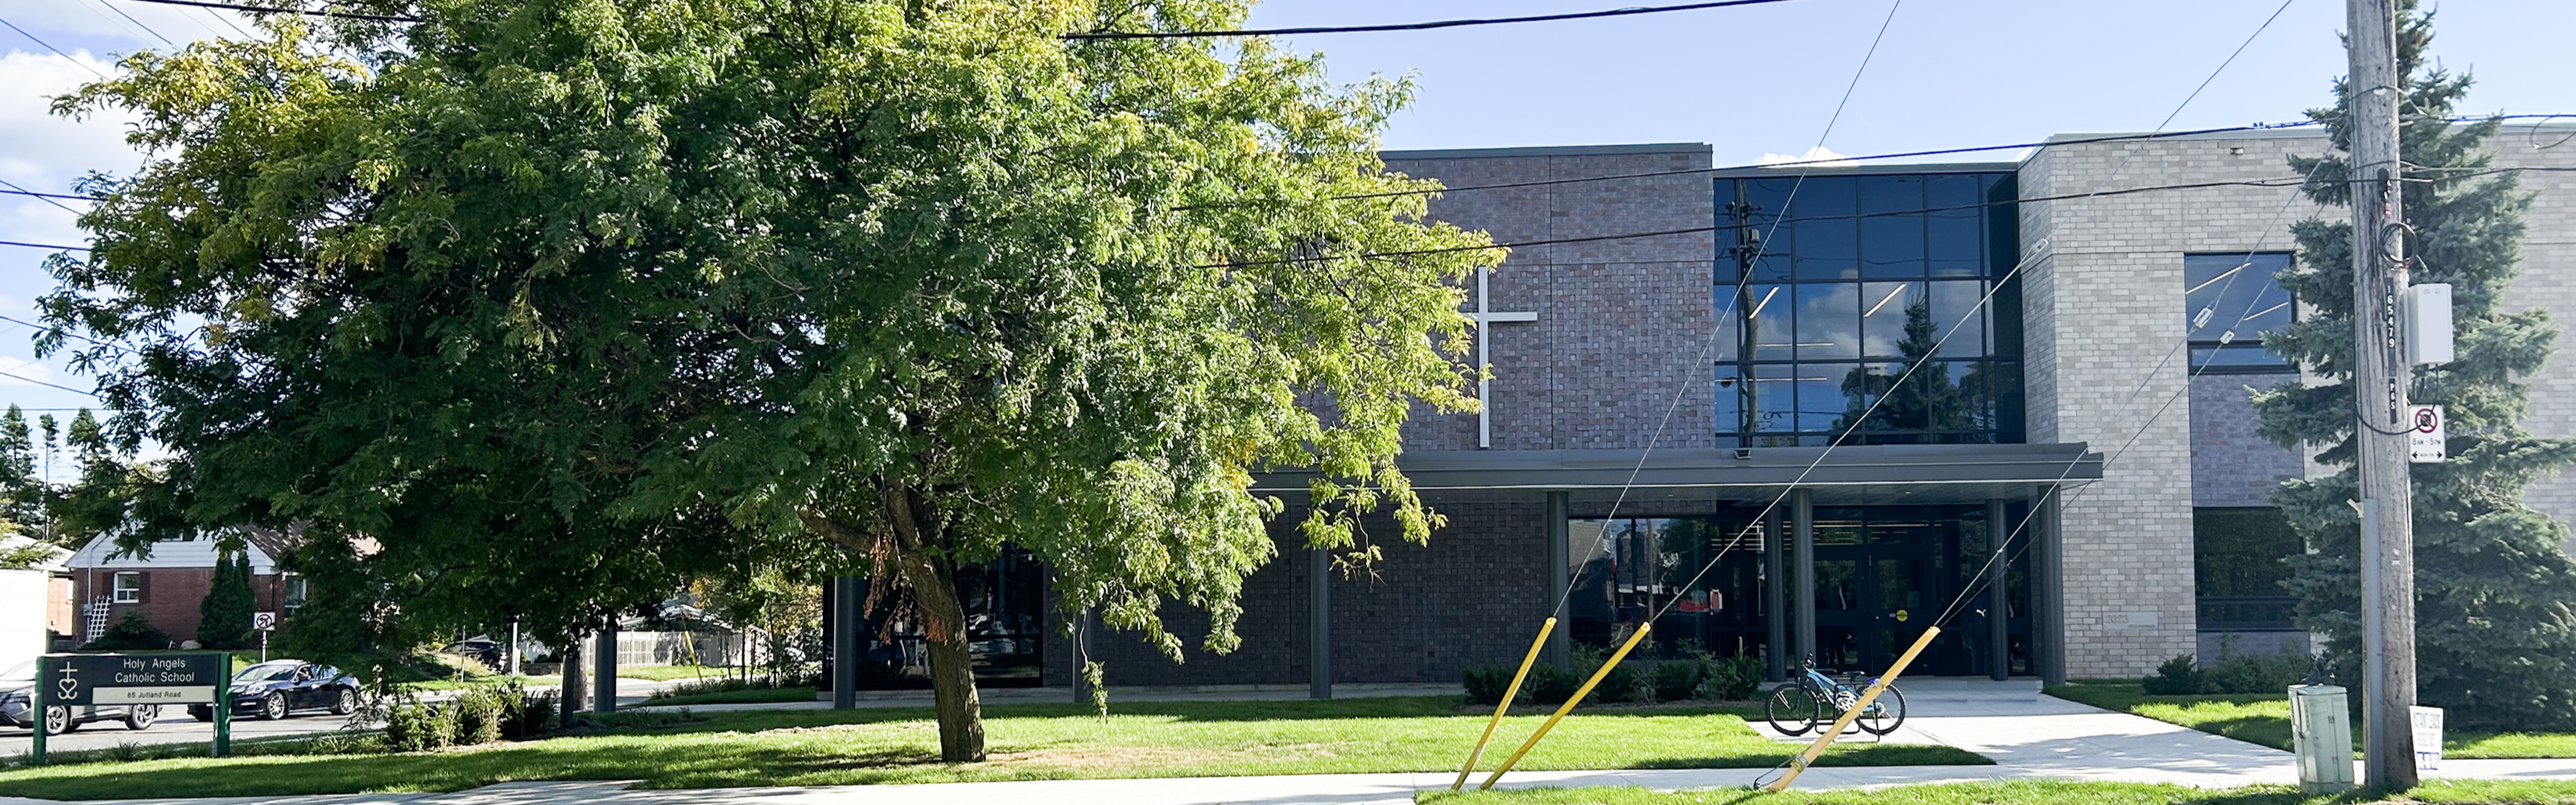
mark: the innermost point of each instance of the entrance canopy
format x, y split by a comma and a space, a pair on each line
1848, 475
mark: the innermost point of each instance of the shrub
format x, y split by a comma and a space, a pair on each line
1732, 679
2248, 673
478, 717
415, 726
2177, 677
533, 717
1486, 683
131, 633
1675, 680
1550, 684
1622, 684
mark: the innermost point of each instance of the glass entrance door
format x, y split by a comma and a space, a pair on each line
1872, 601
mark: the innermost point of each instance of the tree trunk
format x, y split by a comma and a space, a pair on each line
932, 582
952, 670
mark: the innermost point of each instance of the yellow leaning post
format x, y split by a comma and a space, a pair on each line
1505, 705
1799, 764
1570, 701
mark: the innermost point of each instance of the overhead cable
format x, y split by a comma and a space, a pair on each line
137, 23
47, 197
1411, 26
1710, 346
49, 46
351, 15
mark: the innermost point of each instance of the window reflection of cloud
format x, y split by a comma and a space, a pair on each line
1829, 321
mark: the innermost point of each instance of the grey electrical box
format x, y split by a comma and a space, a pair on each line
2427, 312
2321, 733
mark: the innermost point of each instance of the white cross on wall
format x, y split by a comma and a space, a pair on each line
1485, 356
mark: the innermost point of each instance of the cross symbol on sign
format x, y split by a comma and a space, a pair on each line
1485, 355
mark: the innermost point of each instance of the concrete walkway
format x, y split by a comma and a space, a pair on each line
2030, 736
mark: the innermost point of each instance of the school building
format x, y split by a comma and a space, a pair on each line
2032, 373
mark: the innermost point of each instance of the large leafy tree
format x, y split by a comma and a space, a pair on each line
2495, 632
549, 303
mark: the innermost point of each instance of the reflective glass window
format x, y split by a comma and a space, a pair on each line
1952, 225
1960, 306
1828, 321
1827, 245
1768, 322
1821, 402
1891, 227
1775, 397
2229, 302
1868, 297
1883, 318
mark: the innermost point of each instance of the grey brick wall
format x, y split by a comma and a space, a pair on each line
2105, 310
2230, 465
1475, 594
1623, 325
2104, 306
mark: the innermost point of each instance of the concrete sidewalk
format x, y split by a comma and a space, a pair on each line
1210, 693
2030, 737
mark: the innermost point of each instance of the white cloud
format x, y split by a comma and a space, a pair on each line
48, 151
1817, 152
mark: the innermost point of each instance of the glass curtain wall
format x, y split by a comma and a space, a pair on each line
1833, 287
1883, 573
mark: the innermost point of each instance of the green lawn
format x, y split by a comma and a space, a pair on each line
1028, 742
747, 695
2265, 719
2520, 792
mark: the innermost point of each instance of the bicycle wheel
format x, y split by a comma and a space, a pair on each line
1792, 709
1885, 714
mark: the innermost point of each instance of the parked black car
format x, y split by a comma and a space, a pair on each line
277, 688
17, 705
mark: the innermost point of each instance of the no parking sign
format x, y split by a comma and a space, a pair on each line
2425, 438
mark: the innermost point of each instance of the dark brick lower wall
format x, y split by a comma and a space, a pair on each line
1475, 594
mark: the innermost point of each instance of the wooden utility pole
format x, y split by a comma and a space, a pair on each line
2379, 376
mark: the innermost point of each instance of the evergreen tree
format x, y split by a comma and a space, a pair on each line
21, 492
224, 615
1927, 401
2495, 635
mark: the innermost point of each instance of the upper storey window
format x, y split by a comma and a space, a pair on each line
1828, 289
2229, 302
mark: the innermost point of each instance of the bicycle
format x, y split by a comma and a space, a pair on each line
1795, 708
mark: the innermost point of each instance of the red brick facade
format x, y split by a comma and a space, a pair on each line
170, 597
60, 624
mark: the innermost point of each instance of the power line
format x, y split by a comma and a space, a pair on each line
137, 23
2111, 138
21, 191
2288, 181
2222, 66
1775, 222
1411, 26
48, 197
45, 246
1709, 346
62, 331
49, 46
4, 373
1774, 165
1997, 286
350, 15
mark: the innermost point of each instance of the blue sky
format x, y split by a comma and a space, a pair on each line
1750, 81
